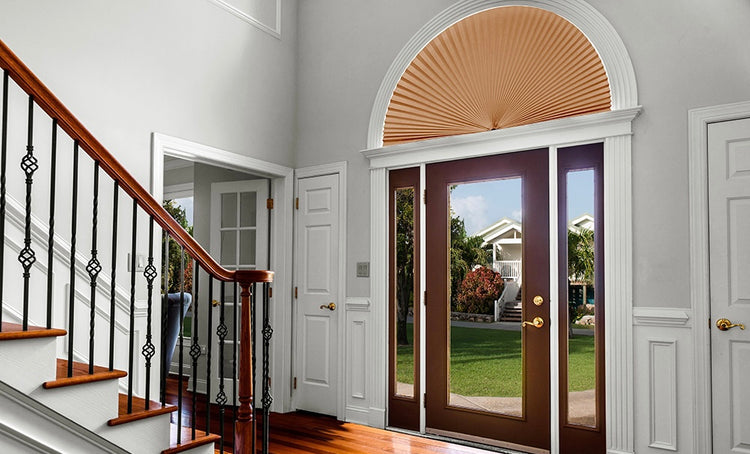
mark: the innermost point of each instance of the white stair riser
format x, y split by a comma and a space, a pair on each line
35, 357
139, 436
90, 404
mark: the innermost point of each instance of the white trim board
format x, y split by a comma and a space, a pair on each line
698, 121
274, 30
280, 241
338, 168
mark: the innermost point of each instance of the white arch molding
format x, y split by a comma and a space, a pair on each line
614, 128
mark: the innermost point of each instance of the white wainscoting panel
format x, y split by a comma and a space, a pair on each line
356, 367
663, 379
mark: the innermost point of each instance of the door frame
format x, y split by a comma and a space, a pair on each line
280, 243
699, 120
334, 168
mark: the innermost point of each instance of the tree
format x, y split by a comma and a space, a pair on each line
404, 261
173, 279
581, 263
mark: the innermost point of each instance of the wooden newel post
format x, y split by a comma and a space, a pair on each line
244, 426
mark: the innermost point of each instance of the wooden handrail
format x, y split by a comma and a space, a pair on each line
44, 98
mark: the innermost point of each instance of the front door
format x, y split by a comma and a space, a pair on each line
318, 305
729, 227
488, 383
239, 239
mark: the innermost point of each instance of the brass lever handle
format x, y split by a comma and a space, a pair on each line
215, 303
538, 322
725, 325
329, 306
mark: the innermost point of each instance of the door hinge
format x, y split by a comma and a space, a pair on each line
296, 203
270, 292
424, 196
269, 203
424, 400
294, 386
295, 292
424, 297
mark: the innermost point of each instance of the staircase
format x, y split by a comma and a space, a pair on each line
87, 388
513, 312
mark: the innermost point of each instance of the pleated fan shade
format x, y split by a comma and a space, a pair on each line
499, 68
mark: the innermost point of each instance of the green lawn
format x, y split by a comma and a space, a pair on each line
487, 362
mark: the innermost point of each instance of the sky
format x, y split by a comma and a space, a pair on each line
187, 204
482, 204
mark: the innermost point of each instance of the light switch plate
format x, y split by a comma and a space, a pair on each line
363, 269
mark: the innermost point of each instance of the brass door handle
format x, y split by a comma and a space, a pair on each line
329, 306
537, 323
725, 325
215, 303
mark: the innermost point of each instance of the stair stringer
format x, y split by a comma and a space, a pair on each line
26, 425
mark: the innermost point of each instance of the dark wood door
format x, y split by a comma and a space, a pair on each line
516, 414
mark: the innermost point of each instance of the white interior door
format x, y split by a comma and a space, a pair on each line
316, 271
729, 231
239, 240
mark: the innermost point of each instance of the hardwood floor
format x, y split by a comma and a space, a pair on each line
300, 432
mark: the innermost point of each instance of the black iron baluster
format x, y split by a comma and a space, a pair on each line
234, 357
72, 285
195, 348
267, 399
221, 397
131, 348
182, 340
93, 267
51, 222
27, 257
113, 277
164, 366
253, 347
149, 350
209, 340
3, 160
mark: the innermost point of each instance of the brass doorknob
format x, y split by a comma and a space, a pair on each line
215, 303
538, 322
725, 325
329, 306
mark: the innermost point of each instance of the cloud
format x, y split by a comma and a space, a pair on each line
473, 210
516, 215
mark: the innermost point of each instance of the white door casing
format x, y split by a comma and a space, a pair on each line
239, 240
729, 255
317, 243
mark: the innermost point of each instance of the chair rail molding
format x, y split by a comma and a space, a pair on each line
698, 121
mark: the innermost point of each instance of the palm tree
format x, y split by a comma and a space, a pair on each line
580, 266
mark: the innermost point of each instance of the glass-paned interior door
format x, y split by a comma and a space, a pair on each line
239, 240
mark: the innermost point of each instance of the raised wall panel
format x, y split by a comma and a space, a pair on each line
740, 363
739, 250
318, 201
357, 357
316, 353
663, 393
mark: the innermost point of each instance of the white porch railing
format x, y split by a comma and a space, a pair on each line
508, 269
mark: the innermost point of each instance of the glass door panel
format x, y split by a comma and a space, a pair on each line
485, 341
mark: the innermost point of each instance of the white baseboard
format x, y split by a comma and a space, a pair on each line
358, 415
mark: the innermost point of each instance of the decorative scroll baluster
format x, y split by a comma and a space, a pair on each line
72, 284
3, 161
164, 366
131, 347
182, 341
113, 277
93, 267
27, 257
209, 340
267, 334
234, 354
221, 397
149, 350
195, 347
51, 222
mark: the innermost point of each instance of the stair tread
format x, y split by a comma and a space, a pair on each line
81, 374
12, 331
139, 411
201, 438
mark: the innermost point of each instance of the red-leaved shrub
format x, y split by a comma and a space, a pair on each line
479, 290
